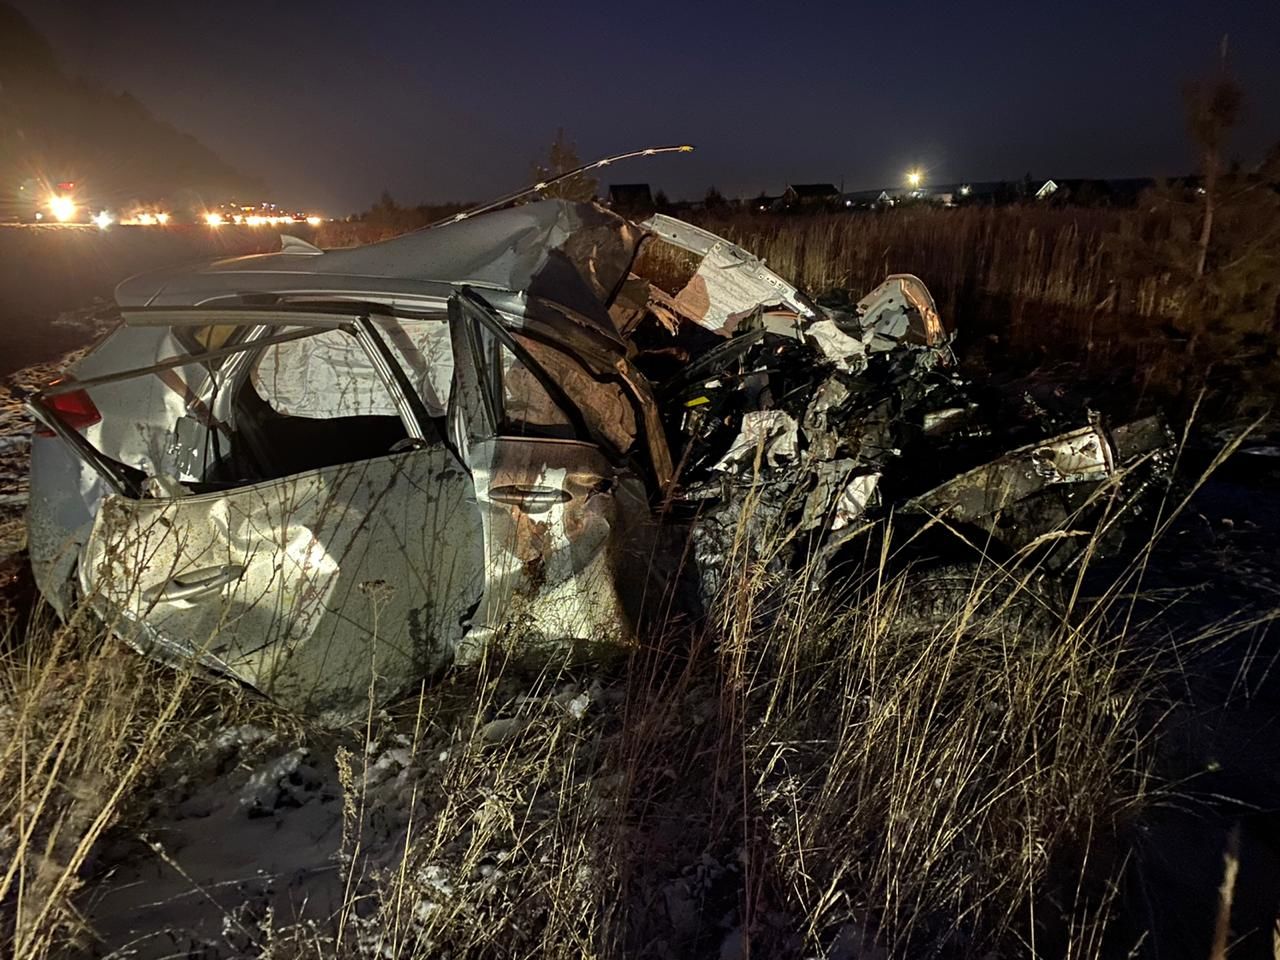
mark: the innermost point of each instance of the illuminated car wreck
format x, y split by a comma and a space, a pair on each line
326, 474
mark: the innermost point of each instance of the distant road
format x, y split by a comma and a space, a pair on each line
47, 226
46, 269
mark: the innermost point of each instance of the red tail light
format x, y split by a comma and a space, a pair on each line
74, 408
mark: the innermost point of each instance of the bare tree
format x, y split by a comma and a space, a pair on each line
562, 158
1213, 108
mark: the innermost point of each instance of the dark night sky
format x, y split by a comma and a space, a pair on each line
330, 102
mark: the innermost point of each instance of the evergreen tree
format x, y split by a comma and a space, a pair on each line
562, 158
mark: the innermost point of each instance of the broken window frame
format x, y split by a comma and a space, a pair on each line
472, 314
597, 355
355, 319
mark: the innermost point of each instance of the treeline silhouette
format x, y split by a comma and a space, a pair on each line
55, 126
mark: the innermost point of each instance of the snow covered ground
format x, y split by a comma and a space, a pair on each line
488, 815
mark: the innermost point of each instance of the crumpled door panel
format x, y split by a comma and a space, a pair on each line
554, 509
304, 587
557, 523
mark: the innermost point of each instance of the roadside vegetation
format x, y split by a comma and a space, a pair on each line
942, 764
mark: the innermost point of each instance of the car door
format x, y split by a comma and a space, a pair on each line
561, 518
316, 588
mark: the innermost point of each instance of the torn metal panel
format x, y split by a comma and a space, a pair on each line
848, 353
1141, 437
899, 312
573, 254
730, 283
605, 365
554, 510
739, 524
1081, 456
840, 495
939, 423
605, 407
901, 309
854, 498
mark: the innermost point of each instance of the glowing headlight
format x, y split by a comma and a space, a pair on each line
102, 219
62, 208
314, 221
213, 219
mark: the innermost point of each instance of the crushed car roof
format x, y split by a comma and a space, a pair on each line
574, 255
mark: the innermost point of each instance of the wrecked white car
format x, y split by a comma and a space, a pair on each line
328, 474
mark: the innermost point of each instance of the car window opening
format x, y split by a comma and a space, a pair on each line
279, 431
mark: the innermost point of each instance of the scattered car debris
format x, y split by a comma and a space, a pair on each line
329, 474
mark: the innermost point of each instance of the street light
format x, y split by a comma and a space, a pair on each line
914, 179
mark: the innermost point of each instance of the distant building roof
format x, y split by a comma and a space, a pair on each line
812, 191
1049, 188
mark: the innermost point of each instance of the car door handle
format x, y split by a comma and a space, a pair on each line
531, 499
197, 583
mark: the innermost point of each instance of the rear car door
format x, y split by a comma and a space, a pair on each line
560, 513
318, 586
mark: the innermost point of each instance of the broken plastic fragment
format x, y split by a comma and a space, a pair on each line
854, 499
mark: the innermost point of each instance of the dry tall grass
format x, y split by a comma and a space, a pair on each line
903, 768
1051, 257
84, 725
905, 765
81, 722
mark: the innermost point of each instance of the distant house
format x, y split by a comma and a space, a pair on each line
631, 197
940, 194
810, 196
1084, 192
866, 199
1049, 188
